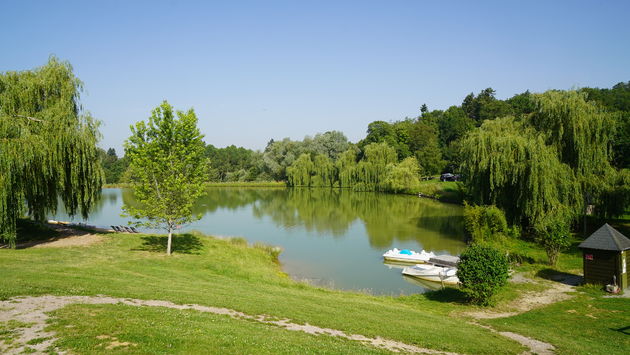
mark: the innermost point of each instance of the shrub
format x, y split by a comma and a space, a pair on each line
554, 238
274, 252
482, 271
485, 223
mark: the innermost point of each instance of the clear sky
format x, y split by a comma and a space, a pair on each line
256, 70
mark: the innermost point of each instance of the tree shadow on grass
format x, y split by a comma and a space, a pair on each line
182, 244
624, 330
559, 276
447, 295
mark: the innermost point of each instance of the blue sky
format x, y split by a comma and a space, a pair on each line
256, 70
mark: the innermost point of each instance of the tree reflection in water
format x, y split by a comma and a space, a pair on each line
387, 218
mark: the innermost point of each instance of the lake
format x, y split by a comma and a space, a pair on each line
331, 237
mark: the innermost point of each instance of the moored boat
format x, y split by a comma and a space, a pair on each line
430, 285
446, 275
408, 256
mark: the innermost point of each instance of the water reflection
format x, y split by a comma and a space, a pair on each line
330, 236
387, 218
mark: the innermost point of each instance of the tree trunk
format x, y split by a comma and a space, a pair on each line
168, 245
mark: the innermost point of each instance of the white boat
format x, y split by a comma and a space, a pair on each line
447, 275
407, 256
430, 285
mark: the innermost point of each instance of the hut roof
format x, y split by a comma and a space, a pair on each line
606, 238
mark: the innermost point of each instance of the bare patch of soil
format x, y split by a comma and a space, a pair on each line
68, 237
72, 241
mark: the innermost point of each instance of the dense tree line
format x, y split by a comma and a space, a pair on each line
434, 139
113, 166
542, 159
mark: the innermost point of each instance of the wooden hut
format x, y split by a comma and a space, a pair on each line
606, 253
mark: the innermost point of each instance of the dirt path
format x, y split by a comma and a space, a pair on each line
556, 292
535, 346
67, 237
33, 311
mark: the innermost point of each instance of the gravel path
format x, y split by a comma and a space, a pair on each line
535, 346
33, 311
555, 292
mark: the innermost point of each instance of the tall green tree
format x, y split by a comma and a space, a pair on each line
581, 133
425, 145
331, 144
301, 171
346, 168
507, 163
279, 155
372, 170
47, 146
485, 106
325, 173
403, 176
113, 166
168, 169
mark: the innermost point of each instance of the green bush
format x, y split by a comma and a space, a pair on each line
554, 237
484, 223
482, 270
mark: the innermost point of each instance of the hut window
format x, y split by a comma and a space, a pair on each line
588, 256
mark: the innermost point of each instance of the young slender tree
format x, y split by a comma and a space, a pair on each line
168, 169
47, 146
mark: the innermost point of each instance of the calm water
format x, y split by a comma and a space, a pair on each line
332, 238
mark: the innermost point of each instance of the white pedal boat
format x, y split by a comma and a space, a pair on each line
447, 275
408, 256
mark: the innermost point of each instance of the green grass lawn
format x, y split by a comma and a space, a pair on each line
446, 191
585, 324
120, 329
219, 273
228, 273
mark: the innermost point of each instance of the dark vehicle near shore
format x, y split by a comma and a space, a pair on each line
449, 177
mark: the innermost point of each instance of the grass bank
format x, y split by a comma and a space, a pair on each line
222, 273
231, 274
584, 324
107, 329
444, 191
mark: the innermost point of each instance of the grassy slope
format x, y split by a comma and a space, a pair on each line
446, 191
588, 323
585, 324
220, 273
93, 328
229, 274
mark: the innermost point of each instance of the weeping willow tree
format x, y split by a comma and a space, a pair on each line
324, 172
507, 163
403, 176
301, 171
372, 170
580, 131
377, 171
47, 146
346, 166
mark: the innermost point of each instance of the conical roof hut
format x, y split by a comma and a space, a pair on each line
606, 256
